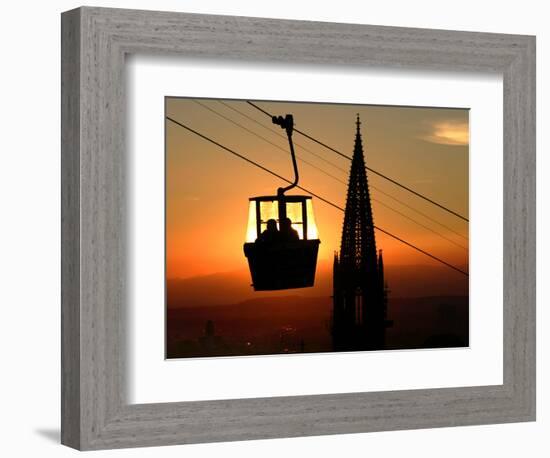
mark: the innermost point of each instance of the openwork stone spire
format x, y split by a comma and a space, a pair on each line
359, 310
358, 245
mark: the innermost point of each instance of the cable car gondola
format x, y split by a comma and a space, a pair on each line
282, 241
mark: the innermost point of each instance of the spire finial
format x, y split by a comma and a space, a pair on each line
358, 122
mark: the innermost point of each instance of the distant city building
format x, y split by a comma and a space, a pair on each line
210, 344
360, 293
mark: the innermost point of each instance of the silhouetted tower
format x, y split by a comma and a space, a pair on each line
359, 296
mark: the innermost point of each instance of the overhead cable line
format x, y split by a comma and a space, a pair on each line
267, 140
419, 212
318, 156
343, 170
328, 202
421, 225
327, 173
391, 180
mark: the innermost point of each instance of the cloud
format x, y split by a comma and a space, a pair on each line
448, 133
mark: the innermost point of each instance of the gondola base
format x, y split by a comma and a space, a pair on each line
282, 265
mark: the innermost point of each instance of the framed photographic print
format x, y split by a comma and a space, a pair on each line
332, 235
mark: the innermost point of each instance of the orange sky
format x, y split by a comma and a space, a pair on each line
207, 189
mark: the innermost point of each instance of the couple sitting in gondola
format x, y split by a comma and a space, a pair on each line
272, 234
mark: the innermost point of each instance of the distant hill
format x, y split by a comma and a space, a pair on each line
234, 287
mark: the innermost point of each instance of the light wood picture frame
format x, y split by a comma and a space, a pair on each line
95, 410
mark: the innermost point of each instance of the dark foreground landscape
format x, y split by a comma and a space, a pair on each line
295, 324
220, 314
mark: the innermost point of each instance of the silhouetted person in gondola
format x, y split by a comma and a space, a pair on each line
287, 232
271, 233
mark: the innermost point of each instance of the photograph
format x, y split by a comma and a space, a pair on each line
308, 227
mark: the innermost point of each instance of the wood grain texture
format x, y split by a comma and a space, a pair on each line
95, 411
70, 229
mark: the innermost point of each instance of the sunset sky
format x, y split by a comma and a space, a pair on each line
207, 189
